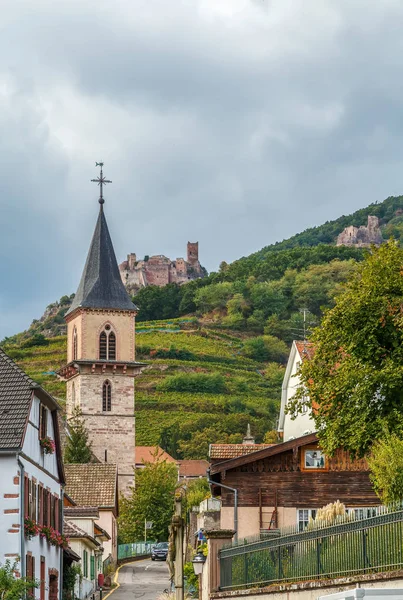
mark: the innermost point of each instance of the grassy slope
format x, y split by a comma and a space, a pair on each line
255, 384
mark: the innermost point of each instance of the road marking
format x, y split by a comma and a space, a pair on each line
115, 579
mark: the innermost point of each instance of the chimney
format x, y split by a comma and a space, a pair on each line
248, 439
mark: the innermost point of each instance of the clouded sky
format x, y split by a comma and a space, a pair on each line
236, 123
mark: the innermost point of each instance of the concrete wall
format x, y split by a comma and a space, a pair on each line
107, 522
249, 518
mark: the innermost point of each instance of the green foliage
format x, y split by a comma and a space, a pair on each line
152, 499
356, 375
38, 339
192, 580
71, 573
78, 446
197, 490
266, 348
12, 588
209, 383
386, 465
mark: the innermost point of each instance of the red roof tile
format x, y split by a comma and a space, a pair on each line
152, 454
305, 349
193, 468
224, 451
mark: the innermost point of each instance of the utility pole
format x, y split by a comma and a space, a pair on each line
177, 527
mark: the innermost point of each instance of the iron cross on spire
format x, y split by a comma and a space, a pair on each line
101, 182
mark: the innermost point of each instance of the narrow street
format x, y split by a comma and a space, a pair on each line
144, 579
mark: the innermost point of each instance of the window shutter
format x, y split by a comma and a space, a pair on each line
26, 496
92, 573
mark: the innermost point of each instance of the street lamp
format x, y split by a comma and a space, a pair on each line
198, 563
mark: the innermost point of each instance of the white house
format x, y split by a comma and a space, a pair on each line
31, 492
303, 424
86, 539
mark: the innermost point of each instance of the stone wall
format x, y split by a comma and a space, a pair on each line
160, 270
361, 237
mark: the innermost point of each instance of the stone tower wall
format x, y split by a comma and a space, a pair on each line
193, 252
89, 324
112, 431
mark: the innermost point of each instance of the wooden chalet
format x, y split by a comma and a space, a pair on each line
285, 484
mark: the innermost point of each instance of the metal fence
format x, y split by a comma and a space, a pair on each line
351, 546
135, 549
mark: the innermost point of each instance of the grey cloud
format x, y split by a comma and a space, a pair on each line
237, 123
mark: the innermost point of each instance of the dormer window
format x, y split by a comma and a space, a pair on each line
107, 344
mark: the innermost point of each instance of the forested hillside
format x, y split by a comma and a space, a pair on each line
216, 347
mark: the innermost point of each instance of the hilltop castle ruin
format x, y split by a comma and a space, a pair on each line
160, 270
361, 237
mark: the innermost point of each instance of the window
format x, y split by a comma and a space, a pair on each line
43, 422
362, 513
303, 517
73, 395
314, 459
85, 563
30, 571
34, 501
107, 344
40, 504
46, 507
107, 396
74, 343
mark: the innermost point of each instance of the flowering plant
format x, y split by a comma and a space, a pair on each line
47, 445
55, 538
31, 528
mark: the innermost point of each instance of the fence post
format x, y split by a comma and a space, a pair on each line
211, 577
364, 549
318, 563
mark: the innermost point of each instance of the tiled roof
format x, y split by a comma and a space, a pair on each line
81, 511
101, 285
193, 468
147, 454
92, 484
71, 530
224, 451
305, 349
15, 400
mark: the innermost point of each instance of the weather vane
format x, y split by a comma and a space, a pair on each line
101, 182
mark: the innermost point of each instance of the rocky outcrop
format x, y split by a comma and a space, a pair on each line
361, 237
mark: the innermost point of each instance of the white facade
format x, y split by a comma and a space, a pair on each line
30, 471
303, 423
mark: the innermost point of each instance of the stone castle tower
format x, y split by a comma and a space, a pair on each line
101, 362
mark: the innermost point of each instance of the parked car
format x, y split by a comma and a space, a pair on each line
160, 551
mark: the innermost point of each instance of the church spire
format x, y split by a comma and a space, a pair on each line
101, 285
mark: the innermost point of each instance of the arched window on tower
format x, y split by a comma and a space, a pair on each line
106, 396
103, 346
75, 343
107, 344
112, 346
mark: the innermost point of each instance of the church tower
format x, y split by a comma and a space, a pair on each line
101, 363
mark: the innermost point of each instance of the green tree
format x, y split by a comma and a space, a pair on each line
386, 464
355, 378
12, 588
152, 499
265, 348
197, 490
78, 447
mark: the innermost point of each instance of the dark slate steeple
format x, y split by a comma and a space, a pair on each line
101, 285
